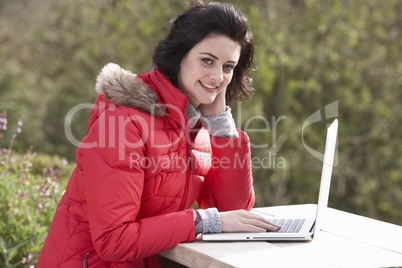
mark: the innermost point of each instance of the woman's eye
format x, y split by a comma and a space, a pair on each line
228, 68
207, 61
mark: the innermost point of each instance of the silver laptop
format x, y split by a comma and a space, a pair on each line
300, 228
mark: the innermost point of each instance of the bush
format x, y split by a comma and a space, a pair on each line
29, 194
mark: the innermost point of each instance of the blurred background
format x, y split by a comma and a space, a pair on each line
311, 54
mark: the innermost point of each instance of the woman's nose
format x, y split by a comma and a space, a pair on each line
217, 75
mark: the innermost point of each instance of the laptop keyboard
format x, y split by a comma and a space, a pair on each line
288, 225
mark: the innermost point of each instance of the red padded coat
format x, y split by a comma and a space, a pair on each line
139, 170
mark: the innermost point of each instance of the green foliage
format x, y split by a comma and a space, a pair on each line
309, 55
53, 67
29, 194
27, 206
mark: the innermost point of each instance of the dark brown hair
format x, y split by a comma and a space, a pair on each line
191, 26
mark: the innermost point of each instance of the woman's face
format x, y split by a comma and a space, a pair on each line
207, 69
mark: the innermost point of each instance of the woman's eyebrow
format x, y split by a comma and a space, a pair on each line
215, 57
210, 54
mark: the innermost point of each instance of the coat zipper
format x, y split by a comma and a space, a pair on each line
189, 171
85, 260
187, 180
191, 158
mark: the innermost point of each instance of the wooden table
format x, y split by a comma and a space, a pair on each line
346, 240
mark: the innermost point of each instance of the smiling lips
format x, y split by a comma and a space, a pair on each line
208, 86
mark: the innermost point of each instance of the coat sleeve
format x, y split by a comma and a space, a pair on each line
229, 183
113, 189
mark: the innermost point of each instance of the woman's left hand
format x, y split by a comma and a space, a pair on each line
218, 106
245, 221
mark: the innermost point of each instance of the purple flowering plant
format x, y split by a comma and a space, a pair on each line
29, 194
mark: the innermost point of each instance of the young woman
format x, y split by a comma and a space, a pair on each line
157, 143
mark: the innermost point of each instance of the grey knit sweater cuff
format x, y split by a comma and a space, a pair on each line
208, 221
221, 125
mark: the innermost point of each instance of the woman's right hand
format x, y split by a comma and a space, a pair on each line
244, 221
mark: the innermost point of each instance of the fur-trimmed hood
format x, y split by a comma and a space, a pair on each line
125, 89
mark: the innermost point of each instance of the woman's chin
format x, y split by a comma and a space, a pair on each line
207, 101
